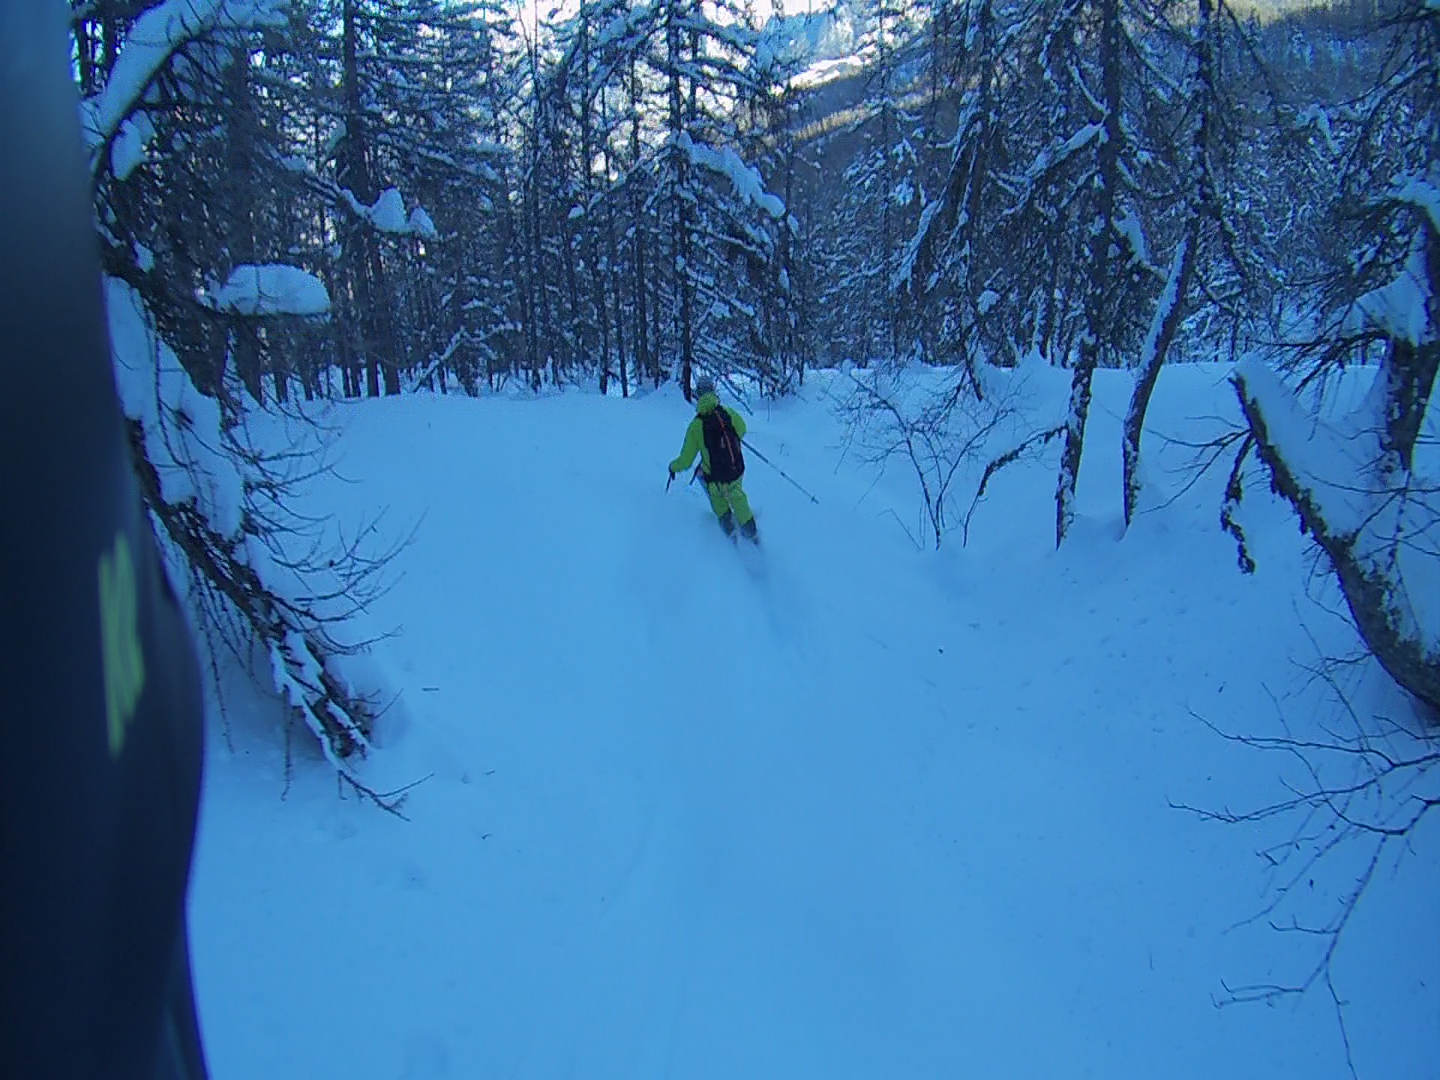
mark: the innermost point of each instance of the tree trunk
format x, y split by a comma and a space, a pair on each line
1168, 311
1408, 375
355, 175
1171, 306
1098, 303
362, 259
240, 154
616, 285
680, 178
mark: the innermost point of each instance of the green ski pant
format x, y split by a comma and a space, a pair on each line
731, 496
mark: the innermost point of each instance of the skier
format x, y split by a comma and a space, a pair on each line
715, 435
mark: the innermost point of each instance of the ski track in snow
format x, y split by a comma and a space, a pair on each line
851, 811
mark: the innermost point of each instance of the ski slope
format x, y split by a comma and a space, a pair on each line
847, 810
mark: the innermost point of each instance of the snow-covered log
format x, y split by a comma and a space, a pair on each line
1357, 496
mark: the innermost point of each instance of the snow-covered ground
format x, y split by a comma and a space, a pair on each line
847, 810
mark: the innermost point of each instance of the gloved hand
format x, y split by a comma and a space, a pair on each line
671, 472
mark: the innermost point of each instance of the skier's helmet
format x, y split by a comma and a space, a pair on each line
704, 385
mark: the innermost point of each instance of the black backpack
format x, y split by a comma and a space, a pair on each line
722, 444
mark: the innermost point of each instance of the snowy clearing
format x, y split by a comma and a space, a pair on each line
847, 810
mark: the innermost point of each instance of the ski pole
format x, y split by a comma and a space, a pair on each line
781, 471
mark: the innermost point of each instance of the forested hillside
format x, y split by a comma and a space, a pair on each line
356, 198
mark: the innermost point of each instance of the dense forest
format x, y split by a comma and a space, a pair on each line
627, 191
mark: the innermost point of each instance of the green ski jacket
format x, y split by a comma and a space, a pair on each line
695, 434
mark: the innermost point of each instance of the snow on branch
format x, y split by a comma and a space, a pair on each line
1165, 305
1128, 225
182, 426
388, 214
156, 36
1398, 309
1422, 193
270, 290
127, 152
745, 178
1049, 158
905, 268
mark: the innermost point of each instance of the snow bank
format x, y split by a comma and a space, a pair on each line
915, 824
